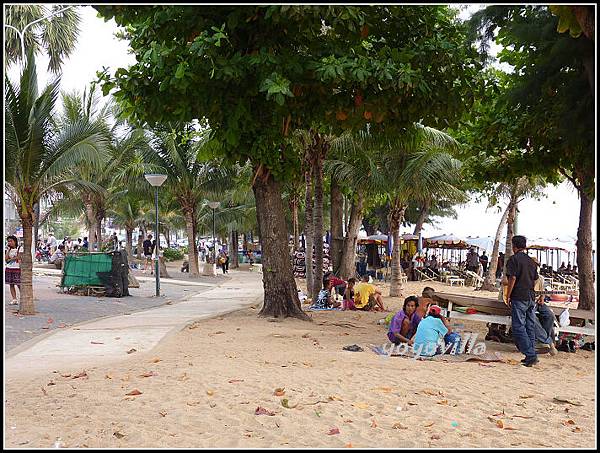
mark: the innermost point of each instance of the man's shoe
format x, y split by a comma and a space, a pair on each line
553, 350
531, 362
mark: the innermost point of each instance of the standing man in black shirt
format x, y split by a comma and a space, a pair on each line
521, 272
148, 246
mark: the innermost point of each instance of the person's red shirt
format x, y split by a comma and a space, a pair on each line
336, 281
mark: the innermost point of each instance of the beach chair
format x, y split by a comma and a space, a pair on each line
423, 276
474, 279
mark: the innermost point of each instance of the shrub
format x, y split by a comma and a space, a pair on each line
172, 255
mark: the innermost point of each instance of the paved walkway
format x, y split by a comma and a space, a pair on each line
109, 339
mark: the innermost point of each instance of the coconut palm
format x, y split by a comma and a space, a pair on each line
178, 150
41, 157
57, 35
126, 212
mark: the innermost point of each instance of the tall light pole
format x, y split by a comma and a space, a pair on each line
214, 205
156, 180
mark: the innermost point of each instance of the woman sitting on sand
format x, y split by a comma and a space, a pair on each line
429, 332
404, 323
324, 299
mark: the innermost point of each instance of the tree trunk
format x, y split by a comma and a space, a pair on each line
235, 263
26, 305
308, 231
280, 291
489, 283
167, 234
162, 268
585, 267
337, 234
395, 217
318, 225
510, 221
129, 239
140, 245
421, 219
347, 267
90, 216
36, 223
295, 234
190, 218
369, 227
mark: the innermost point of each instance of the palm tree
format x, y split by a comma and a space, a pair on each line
41, 157
57, 35
178, 151
126, 212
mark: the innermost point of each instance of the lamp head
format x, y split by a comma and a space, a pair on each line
214, 204
155, 180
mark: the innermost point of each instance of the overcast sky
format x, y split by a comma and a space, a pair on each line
554, 216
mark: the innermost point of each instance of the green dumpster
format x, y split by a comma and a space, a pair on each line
81, 269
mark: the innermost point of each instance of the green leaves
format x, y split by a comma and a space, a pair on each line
277, 87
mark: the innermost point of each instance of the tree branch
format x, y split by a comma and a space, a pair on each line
570, 178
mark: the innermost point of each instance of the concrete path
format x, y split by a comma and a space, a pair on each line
109, 339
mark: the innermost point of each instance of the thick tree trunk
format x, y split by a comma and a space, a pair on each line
167, 234
26, 305
90, 216
36, 223
233, 255
395, 217
129, 239
318, 227
510, 222
489, 283
585, 267
421, 219
98, 231
308, 231
190, 218
295, 230
369, 227
347, 267
280, 291
337, 234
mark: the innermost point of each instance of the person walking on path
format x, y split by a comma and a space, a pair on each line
521, 272
148, 246
12, 274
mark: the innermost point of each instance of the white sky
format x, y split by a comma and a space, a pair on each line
554, 216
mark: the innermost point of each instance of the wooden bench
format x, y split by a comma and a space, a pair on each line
497, 312
457, 280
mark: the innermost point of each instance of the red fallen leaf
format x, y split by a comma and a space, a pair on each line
262, 411
333, 431
279, 392
50, 320
231, 381
373, 424
134, 392
96, 342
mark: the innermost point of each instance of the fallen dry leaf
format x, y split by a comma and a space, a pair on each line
526, 396
436, 436
131, 351
118, 435
305, 335
511, 428
183, 377
96, 342
66, 375
210, 392
577, 429
148, 374
192, 403
383, 389
443, 402
50, 383
262, 411
411, 403
83, 374
231, 381
429, 392
134, 392
155, 360
373, 424
499, 423
513, 362
44, 391
360, 405
427, 425
334, 398
399, 425
163, 413
522, 416
107, 376
279, 392
308, 364
333, 431
568, 422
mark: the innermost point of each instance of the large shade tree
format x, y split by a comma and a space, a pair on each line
545, 108
258, 72
40, 157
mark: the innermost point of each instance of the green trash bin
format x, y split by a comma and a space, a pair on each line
81, 269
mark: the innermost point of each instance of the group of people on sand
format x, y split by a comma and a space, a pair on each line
355, 296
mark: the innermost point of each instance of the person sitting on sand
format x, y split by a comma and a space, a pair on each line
58, 257
336, 282
324, 299
367, 297
404, 323
429, 332
348, 303
425, 301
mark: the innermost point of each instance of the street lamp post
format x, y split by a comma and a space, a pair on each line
156, 180
214, 205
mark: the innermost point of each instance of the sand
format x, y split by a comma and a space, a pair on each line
202, 386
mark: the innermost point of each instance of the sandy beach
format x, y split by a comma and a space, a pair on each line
203, 387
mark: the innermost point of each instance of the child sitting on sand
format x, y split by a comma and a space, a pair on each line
324, 299
429, 332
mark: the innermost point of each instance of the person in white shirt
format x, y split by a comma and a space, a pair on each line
12, 274
52, 243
